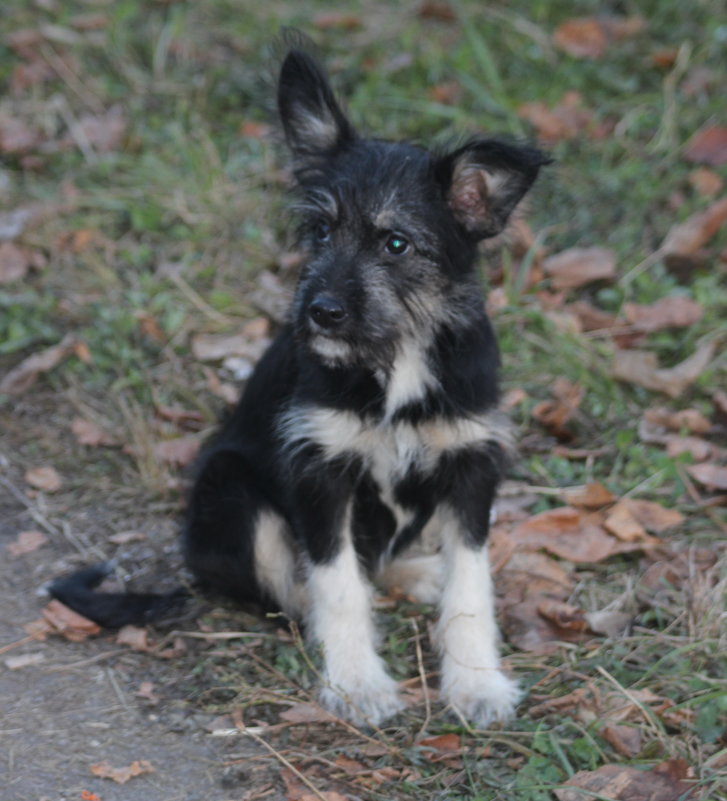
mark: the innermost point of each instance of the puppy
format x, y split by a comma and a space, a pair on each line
370, 427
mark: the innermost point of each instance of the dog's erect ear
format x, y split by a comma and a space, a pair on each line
312, 119
485, 180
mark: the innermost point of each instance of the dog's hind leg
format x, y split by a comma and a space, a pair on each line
235, 543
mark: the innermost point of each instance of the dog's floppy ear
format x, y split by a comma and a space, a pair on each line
483, 182
312, 120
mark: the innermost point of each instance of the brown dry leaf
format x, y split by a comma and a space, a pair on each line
436, 9
565, 616
70, 624
338, 20
15, 262
671, 312
222, 389
653, 516
626, 740
690, 420
184, 418
89, 433
570, 534
578, 266
699, 449
121, 775
529, 631
328, 795
622, 524
147, 692
705, 182
665, 782
445, 743
22, 377
134, 637
349, 766
255, 130
708, 146
179, 452
533, 574
590, 317
712, 476
685, 239
44, 478
306, 713
553, 415
642, 367
591, 496
448, 93
566, 120
581, 38
27, 542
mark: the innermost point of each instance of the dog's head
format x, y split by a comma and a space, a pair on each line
390, 229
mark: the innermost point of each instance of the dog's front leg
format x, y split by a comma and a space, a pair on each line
472, 681
356, 684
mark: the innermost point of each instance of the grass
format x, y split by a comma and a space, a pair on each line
176, 223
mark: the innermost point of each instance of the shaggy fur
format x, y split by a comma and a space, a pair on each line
368, 444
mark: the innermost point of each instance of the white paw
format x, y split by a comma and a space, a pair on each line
481, 696
366, 702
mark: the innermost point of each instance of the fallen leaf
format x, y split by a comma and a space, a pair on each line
27, 542
121, 775
70, 624
653, 516
448, 93
44, 478
705, 182
338, 20
146, 691
690, 420
349, 766
642, 367
566, 120
609, 622
184, 418
255, 130
670, 312
306, 713
134, 637
699, 449
578, 266
626, 740
570, 534
436, 9
590, 317
89, 433
591, 496
14, 262
712, 476
23, 661
22, 377
708, 146
445, 743
179, 452
554, 415
685, 239
87, 795
565, 616
622, 524
581, 38
627, 784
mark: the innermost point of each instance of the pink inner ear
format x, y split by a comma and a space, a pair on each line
468, 196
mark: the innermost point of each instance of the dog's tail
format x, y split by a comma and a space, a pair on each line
113, 609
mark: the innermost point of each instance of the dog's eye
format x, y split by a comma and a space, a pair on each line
322, 231
396, 245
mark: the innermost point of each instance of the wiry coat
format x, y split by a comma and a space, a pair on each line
372, 422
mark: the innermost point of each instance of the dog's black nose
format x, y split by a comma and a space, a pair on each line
326, 311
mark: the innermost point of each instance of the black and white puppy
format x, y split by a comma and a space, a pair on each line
367, 443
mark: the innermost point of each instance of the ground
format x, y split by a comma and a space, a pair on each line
146, 254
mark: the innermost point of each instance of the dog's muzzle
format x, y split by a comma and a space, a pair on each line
326, 312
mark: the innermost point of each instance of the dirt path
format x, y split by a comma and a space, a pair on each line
77, 705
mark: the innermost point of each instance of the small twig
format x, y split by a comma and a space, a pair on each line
84, 662
258, 739
648, 716
119, 693
194, 298
9, 647
422, 676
